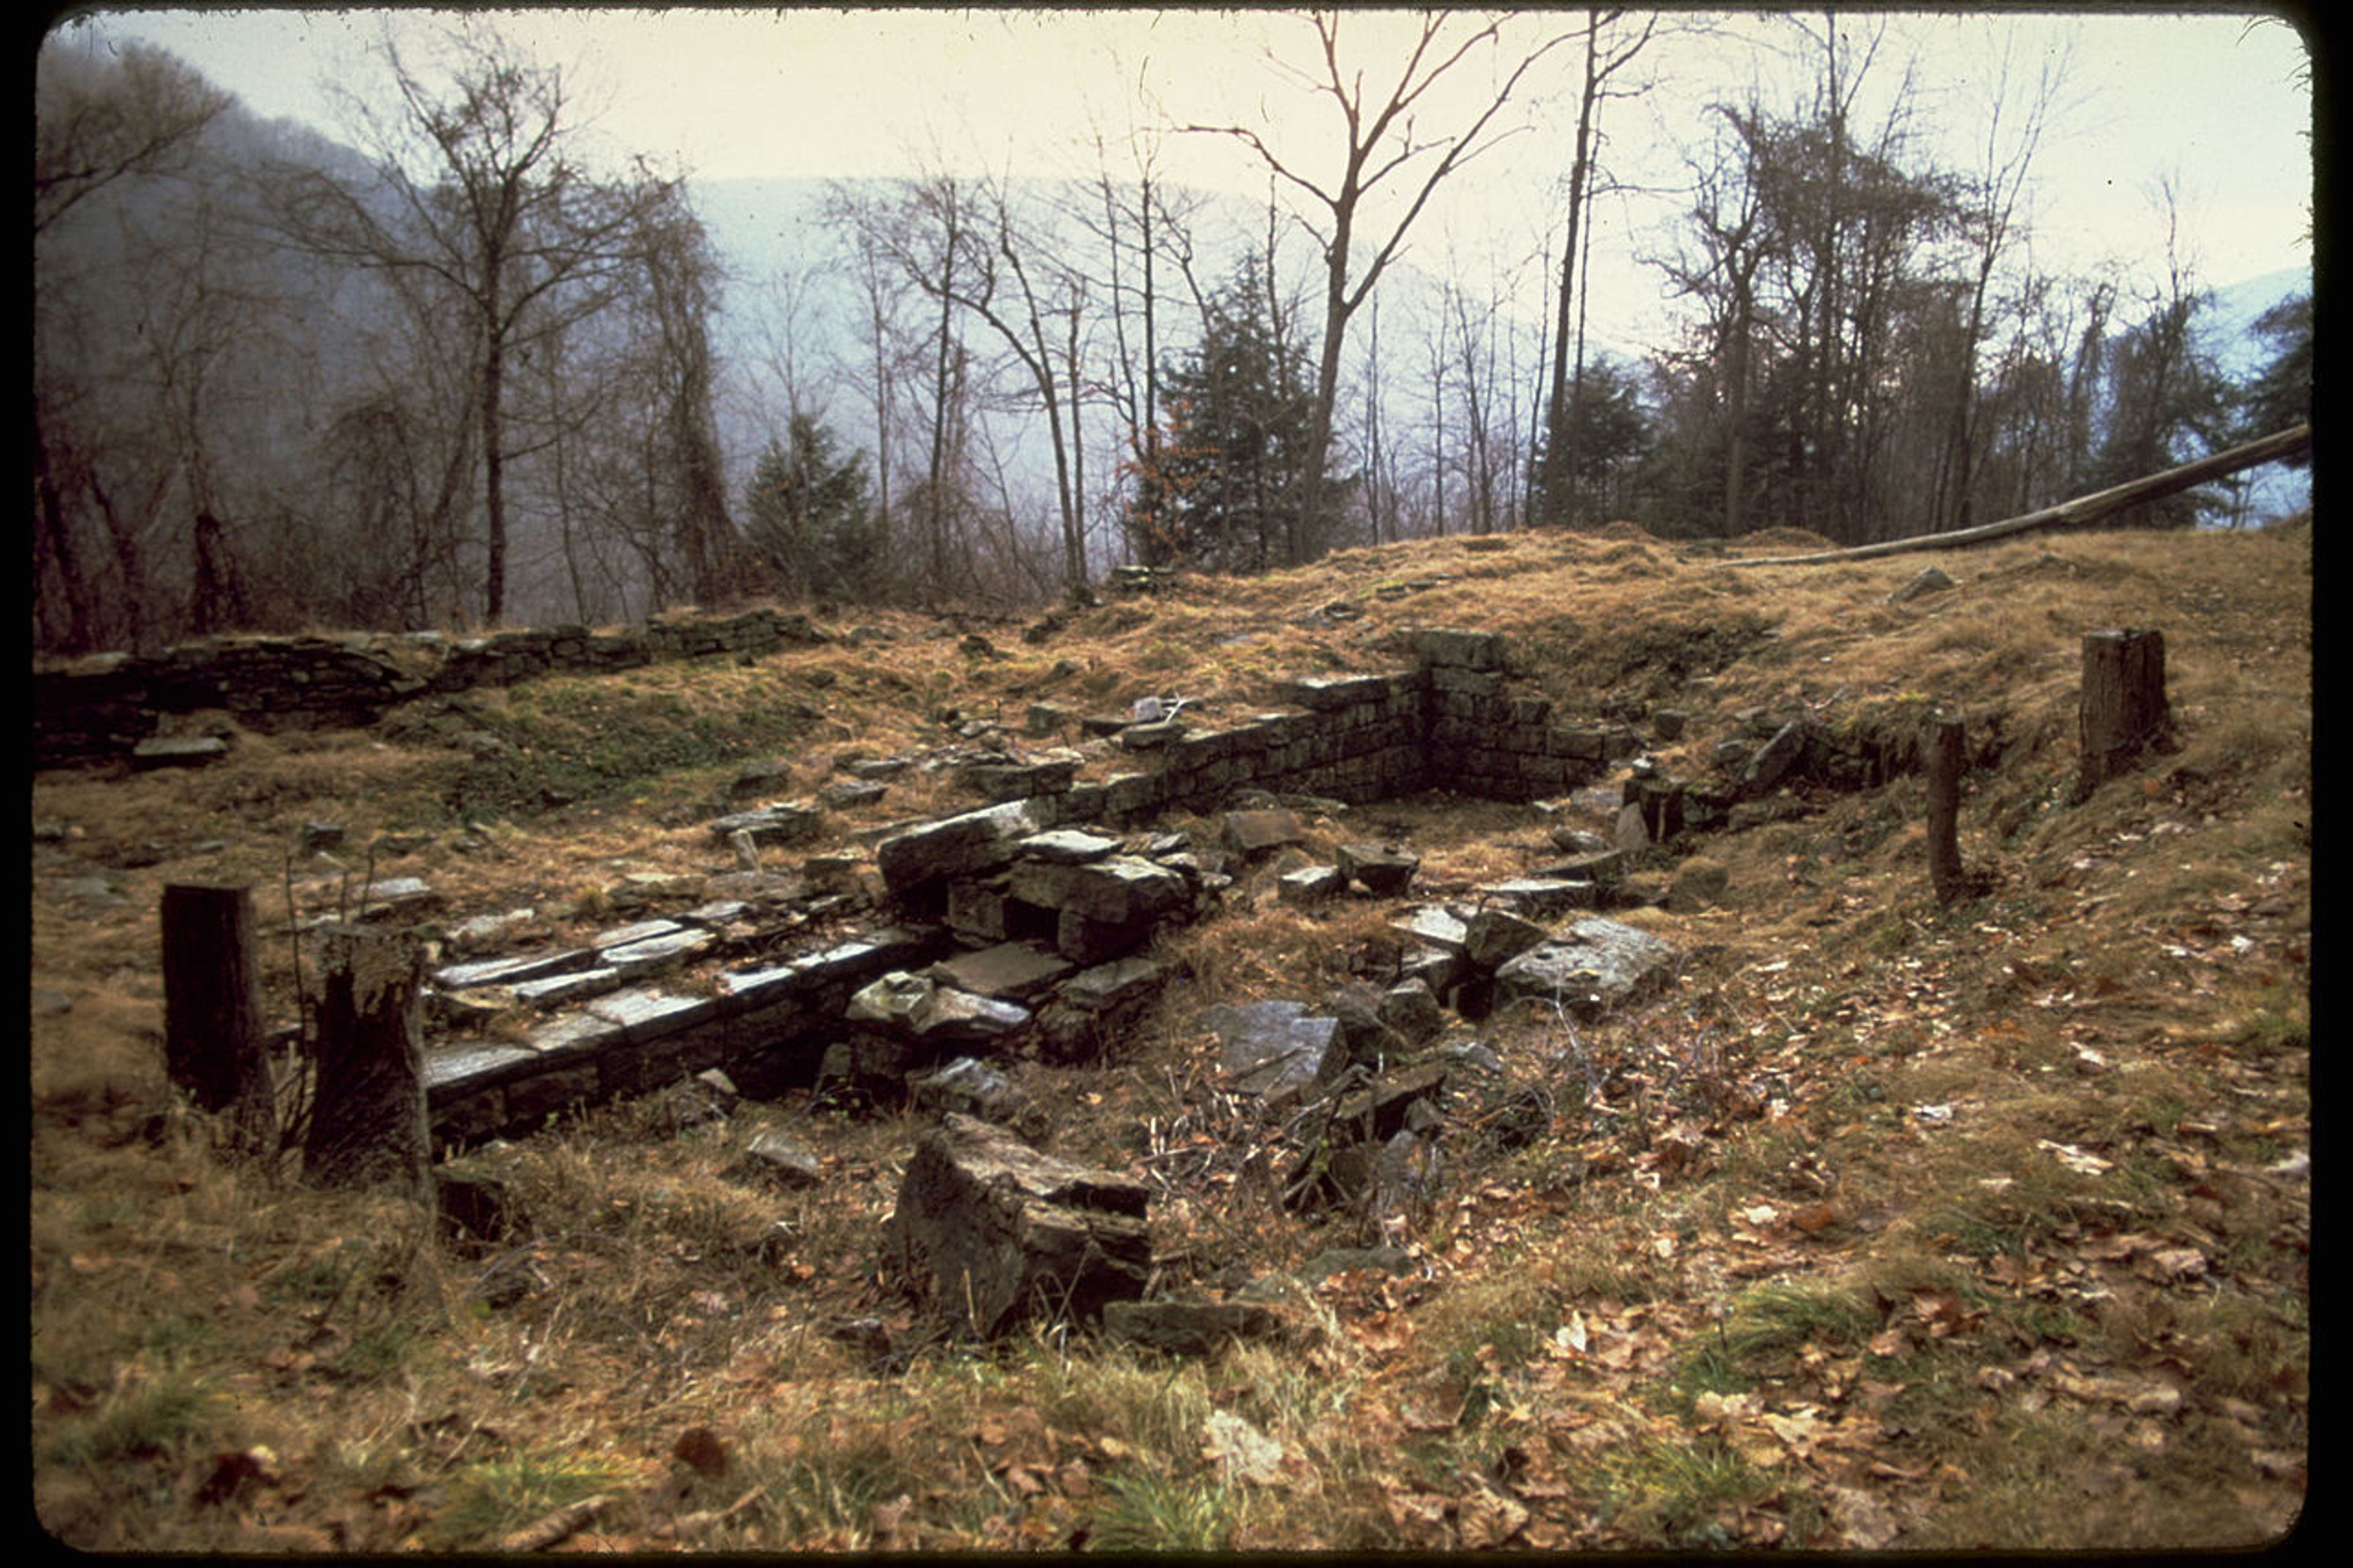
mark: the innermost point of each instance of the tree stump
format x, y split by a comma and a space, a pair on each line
368, 1126
216, 1047
1944, 753
2122, 709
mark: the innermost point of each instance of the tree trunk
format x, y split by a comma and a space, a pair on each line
214, 1044
367, 1114
2122, 709
1944, 752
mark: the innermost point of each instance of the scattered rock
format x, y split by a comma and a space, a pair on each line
1254, 834
990, 1232
778, 1158
1492, 937
1275, 1049
1594, 966
1773, 760
1188, 1328
1310, 884
1381, 869
177, 751
975, 1088
918, 1008
1926, 581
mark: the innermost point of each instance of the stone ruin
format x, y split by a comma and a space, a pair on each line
1026, 923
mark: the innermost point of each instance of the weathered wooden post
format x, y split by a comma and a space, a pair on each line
2122, 711
215, 1048
368, 1126
1946, 749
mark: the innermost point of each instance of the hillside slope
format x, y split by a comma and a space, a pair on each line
1888, 1225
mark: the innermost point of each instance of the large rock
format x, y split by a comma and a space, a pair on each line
960, 846
1253, 834
1594, 966
1382, 869
1009, 971
990, 1232
1492, 937
1118, 891
972, 1088
916, 1007
1773, 760
1275, 1049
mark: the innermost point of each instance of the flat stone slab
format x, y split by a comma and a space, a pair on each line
1274, 1048
1541, 895
844, 794
1119, 890
777, 1158
509, 971
567, 988
1010, 971
784, 824
177, 751
1113, 984
1594, 966
1251, 834
1310, 884
639, 930
659, 951
1067, 847
645, 1015
453, 1069
958, 846
1381, 869
1434, 927
1492, 937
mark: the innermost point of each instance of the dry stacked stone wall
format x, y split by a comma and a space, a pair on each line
1061, 915
98, 710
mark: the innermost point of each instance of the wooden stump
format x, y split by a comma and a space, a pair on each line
368, 1126
1944, 756
215, 1046
2122, 709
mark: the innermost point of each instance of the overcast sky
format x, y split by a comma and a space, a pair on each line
2198, 97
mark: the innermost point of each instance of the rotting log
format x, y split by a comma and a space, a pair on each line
216, 1045
2069, 513
2121, 710
368, 1126
1946, 736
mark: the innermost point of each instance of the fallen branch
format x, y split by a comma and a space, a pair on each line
2082, 510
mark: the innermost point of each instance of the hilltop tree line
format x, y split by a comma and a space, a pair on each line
462, 370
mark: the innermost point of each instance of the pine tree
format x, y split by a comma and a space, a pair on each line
1226, 489
810, 519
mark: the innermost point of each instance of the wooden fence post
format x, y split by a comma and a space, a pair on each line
1946, 749
215, 1048
368, 1125
2122, 709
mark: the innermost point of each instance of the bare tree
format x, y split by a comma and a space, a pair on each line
477, 187
1381, 140
1608, 49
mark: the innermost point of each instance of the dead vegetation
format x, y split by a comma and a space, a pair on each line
1892, 1226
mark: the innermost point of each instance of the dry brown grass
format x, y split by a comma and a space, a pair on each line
2129, 983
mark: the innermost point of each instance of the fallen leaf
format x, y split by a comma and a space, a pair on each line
700, 1447
1245, 1452
1862, 1518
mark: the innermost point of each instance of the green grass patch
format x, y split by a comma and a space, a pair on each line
167, 1417
490, 1501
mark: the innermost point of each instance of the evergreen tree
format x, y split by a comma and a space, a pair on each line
1225, 490
810, 519
2281, 396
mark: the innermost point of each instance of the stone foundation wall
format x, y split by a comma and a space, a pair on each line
98, 710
